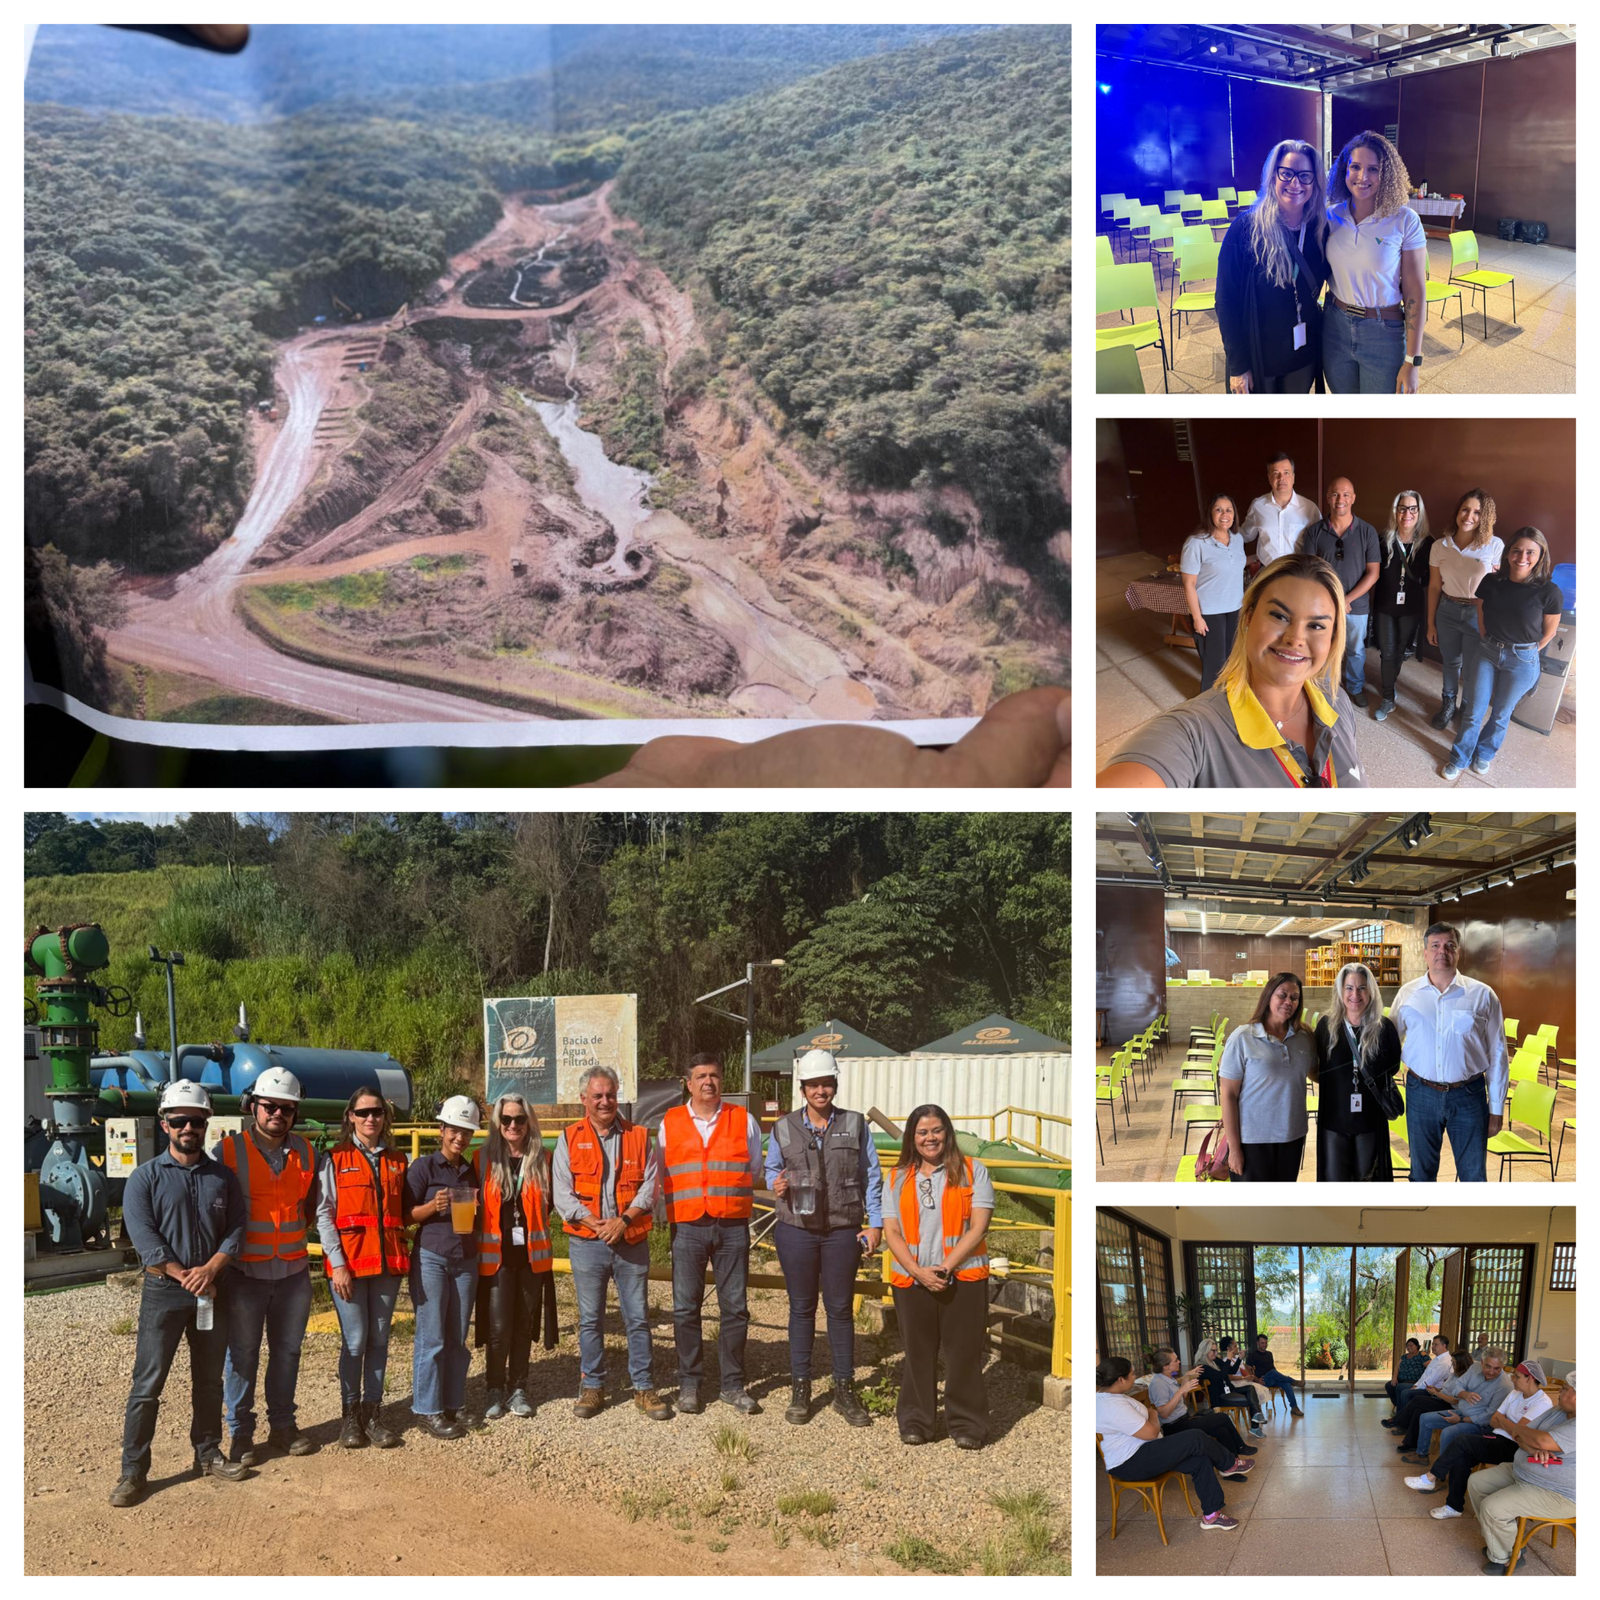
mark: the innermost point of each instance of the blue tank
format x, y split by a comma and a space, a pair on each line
323, 1074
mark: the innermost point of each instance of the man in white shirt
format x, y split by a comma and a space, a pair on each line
1453, 1045
1275, 521
1494, 1442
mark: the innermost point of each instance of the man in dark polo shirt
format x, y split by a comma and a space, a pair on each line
1353, 549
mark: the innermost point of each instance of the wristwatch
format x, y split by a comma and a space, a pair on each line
1413, 361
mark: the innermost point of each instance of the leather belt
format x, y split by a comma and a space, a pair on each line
1445, 1088
1382, 313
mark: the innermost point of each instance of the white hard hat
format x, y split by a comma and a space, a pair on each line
277, 1084
185, 1095
816, 1064
461, 1111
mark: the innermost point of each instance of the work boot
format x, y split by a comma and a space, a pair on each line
373, 1426
848, 1407
242, 1449
292, 1441
744, 1403
689, 1401
130, 1490
1359, 699
519, 1405
652, 1405
496, 1407
1441, 717
799, 1401
352, 1436
437, 1424
590, 1403
214, 1466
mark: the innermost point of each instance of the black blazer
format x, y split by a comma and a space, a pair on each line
1338, 1077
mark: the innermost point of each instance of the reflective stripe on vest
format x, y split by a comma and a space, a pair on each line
955, 1218
371, 1232
535, 1218
587, 1161
275, 1219
707, 1177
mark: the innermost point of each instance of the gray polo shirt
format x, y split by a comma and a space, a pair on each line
1360, 544
1162, 1390
930, 1203
1223, 739
1492, 1393
1272, 1077
1217, 570
1559, 1478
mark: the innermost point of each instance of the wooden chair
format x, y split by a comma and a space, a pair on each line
1526, 1528
1148, 1490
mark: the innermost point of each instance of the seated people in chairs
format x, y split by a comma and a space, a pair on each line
1480, 1447
1540, 1480
1358, 1054
1276, 716
1411, 1367
1266, 1371
1135, 1449
1222, 1391
1167, 1390
1475, 1404
1230, 1354
1423, 1401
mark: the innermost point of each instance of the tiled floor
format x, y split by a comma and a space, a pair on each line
1327, 1496
1137, 676
1143, 1150
1537, 354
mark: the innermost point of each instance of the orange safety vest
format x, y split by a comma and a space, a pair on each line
956, 1218
371, 1233
711, 1177
275, 1202
588, 1164
533, 1212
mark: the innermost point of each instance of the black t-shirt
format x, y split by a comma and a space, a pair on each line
1405, 566
1514, 612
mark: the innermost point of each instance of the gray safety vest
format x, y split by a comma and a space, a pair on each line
834, 1171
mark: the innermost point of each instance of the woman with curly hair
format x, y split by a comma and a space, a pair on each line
1269, 274
1378, 269
1457, 564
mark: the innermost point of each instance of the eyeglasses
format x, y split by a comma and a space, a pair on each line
367, 1111
1406, 511
178, 1124
1289, 176
513, 1122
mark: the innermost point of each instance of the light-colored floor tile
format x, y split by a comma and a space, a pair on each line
1324, 1546
1314, 1492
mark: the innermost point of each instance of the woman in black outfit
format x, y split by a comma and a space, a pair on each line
1221, 1391
1400, 596
1358, 1051
1269, 274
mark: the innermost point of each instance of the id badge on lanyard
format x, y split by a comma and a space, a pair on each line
519, 1236
1299, 327
1355, 1101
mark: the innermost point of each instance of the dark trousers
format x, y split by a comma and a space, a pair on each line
1415, 1408
1190, 1451
953, 1324
726, 1247
1397, 632
1296, 382
819, 1264
1215, 643
1272, 1163
1397, 1392
1353, 1157
166, 1319
1219, 1427
1461, 1455
1239, 1400
513, 1305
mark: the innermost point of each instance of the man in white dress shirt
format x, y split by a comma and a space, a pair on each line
1453, 1044
1275, 521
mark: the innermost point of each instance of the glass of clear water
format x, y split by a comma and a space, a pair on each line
804, 1199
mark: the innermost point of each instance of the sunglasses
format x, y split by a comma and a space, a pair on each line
274, 1109
367, 1111
513, 1122
178, 1124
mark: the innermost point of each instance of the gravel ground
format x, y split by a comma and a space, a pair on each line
632, 1488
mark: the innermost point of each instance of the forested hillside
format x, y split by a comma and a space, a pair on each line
386, 932
890, 243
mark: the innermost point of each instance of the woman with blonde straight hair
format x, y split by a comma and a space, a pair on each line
1358, 1054
1270, 272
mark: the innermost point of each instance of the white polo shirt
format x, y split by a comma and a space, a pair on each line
1275, 530
1519, 1407
1461, 571
1453, 1035
1364, 257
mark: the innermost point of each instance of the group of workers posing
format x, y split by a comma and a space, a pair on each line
222, 1237
1283, 656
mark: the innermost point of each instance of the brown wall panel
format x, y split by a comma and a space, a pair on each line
1232, 455
1116, 533
1264, 113
1521, 940
1219, 952
1130, 958
1439, 128
1163, 500
1528, 160
1363, 106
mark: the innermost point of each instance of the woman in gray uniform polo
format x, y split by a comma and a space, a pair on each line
1212, 569
1265, 1068
1276, 717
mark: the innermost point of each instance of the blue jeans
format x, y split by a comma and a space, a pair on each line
825, 1265
166, 1319
364, 1321
1494, 677
278, 1307
726, 1246
1435, 1422
1361, 355
595, 1264
443, 1293
1453, 622
1281, 1380
1463, 1113
1354, 666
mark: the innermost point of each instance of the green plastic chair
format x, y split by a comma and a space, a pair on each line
1212, 212
1463, 248
1102, 251
1524, 1068
1511, 1027
1566, 1122
1129, 287
1171, 199
1117, 371
1185, 1172
1106, 203
1122, 214
1247, 197
1207, 1032
1196, 262
1201, 1117
1227, 194
1161, 237
1139, 225
1531, 1105
1399, 1155
1438, 292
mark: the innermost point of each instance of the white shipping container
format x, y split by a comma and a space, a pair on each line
968, 1087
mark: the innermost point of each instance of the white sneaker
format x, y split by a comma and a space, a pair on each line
1443, 1513
1425, 1483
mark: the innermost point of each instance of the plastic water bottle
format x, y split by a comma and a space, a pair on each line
203, 1307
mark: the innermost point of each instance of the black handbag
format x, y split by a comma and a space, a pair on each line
1385, 1093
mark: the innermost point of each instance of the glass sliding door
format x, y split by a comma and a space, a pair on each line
1425, 1292
1277, 1274
1327, 1315
1372, 1334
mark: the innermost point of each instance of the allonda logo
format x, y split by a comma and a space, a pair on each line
995, 1036
826, 1041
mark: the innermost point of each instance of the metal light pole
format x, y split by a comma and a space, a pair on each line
173, 958
748, 1016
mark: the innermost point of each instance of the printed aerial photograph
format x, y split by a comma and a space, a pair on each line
534, 375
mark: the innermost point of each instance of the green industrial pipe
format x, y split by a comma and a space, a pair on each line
62, 961
114, 1102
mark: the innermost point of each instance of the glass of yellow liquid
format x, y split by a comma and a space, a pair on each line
464, 1210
